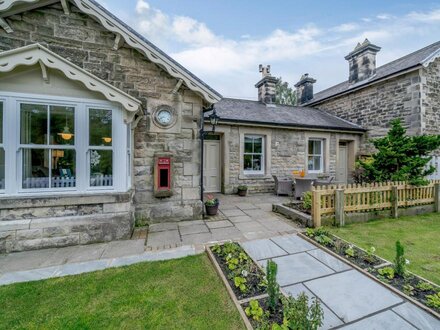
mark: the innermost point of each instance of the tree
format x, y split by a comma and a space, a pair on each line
401, 157
284, 94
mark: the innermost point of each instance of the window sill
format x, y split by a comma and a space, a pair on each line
256, 176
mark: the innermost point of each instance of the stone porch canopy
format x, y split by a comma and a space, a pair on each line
255, 113
411, 62
123, 35
37, 54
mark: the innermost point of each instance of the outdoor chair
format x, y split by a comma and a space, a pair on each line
324, 181
303, 185
283, 186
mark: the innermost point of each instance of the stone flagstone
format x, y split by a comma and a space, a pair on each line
383, 321
330, 261
417, 316
263, 249
293, 243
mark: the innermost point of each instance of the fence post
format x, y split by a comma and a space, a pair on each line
316, 208
436, 197
339, 207
394, 202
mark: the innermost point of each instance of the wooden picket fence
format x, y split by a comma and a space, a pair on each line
338, 200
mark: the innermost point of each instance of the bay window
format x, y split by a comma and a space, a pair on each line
61, 145
315, 156
253, 155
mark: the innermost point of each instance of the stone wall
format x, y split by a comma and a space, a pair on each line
40, 222
83, 41
373, 107
431, 97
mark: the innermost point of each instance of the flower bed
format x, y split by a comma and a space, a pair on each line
395, 275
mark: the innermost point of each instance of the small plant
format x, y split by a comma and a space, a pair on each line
424, 286
273, 289
217, 249
240, 282
307, 200
433, 300
400, 261
387, 272
242, 187
349, 252
298, 314
324, 240
310, 232
369, 257
232, 262
211, 201
408, 289
254, 310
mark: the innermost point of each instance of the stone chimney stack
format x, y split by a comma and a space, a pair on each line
362, 61
266, 86
304, 89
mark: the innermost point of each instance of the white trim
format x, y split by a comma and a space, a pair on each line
35, 53
133, 40
322, 155
431, 58
263, 151
5, 25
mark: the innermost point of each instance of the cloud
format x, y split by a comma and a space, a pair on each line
433, 16
346, 27
384, 16
142, 7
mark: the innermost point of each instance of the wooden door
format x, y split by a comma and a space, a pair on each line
211, 163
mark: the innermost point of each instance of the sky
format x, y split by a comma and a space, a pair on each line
223, 42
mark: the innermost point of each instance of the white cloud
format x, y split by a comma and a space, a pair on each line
230, 65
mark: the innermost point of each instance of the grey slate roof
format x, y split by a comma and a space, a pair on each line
122, 23
245, 111
404, 63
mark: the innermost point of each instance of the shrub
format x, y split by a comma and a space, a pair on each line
307, 200
424, 286
433, 300
273, 290
386, 272
400, 261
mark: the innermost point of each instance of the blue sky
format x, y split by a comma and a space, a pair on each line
223, 42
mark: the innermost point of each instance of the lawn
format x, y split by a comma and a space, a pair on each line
419, 234
176, 294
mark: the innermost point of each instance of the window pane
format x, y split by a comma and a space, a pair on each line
310, 163
100, 122
1, 122
35, 168
317, 148
2, 168
311, 147
33, 124
258, 145
101, 168
247, 163
62, 125
317, 163
248, 144
256, 163
63, 168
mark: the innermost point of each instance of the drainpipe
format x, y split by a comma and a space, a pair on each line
202, 150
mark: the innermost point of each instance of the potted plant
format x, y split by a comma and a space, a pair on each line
242, 190
211, 205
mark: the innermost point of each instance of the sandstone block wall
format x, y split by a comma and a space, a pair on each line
431, 98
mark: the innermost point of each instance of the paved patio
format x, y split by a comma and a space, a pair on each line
350, 300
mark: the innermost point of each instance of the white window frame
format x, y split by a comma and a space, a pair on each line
322, 155
13, 154
263, 152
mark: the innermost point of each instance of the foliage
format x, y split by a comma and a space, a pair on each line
284, 94
240, 282
233, 260
400, 261
211, 201
273, 289
242, 187
310, 232
254, 310
349, 252
370, 254
298, 314
424, 286
386, 272
321, 235
400, 157
433, 300
408, 289
307, 200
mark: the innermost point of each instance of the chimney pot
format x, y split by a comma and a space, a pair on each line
266, 86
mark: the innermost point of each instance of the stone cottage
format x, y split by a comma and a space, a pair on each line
258, 139
97, 126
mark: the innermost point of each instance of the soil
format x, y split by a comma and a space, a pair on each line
360, 258
275, 317
299, 207
253, 279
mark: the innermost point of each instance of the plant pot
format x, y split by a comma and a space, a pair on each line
242, 193
211, 209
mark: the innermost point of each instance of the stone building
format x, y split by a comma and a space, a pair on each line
258, 139
406, 88
97, 127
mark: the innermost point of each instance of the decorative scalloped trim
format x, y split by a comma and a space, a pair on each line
34, 54
431, 58
7, 4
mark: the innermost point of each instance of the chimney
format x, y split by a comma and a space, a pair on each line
266, 86
304, 89
362, 61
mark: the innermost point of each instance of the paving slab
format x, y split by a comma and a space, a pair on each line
233, 213
117, 249
352, 295
199, 238
259, 234
155, 227
81, 267
258, 213
296, 268
293, 244
19, 261
228, 233
246, 206
252, 226
241, 218
28, 275
385, 320
330, 318
219, 224
417, 317
191, 223
263, 249
330, 261
193, 229
277, 225
159, 239
74, 254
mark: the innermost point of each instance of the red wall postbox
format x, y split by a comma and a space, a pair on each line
162, 176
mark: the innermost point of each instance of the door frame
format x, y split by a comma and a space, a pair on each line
205, 153
344, 145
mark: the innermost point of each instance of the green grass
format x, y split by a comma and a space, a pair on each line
177, 294
419, 234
